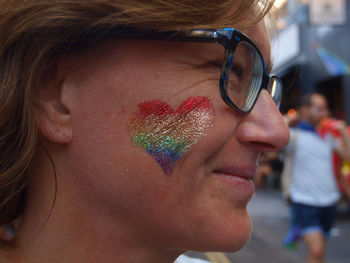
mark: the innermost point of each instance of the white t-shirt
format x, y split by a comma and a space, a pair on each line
313, 181
185, 259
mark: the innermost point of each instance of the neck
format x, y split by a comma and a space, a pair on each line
60, 226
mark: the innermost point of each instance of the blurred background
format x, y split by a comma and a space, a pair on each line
311, 51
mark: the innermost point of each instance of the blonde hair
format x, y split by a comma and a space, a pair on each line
33, 32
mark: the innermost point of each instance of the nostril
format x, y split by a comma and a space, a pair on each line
265, 147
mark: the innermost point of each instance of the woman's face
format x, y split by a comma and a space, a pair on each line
156, 149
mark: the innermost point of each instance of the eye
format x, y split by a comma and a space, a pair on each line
238, 70
238, 85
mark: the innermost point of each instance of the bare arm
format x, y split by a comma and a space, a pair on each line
344, 184
343, 149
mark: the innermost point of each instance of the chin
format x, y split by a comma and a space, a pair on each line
237, 239
226, 237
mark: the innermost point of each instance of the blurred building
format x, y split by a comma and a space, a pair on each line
311, 51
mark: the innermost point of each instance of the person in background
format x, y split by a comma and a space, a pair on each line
130, 129
270, 167
313, 189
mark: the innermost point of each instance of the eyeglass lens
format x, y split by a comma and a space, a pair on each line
243, 74
244, 79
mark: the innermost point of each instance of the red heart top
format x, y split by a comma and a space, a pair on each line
161, 108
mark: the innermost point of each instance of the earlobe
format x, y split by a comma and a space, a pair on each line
53, 116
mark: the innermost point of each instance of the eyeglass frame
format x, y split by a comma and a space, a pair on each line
229, 38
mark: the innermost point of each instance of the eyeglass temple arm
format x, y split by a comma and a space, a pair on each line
191, 35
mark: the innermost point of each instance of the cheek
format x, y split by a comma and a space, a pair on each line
167, 134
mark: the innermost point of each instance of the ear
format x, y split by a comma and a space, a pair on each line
53, 116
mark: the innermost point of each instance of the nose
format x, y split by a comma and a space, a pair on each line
263, 128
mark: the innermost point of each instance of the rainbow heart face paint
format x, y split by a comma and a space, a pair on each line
167, 134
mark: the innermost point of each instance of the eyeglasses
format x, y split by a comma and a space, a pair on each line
243, 73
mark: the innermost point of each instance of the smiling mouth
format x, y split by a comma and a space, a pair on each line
237, 181
247, 173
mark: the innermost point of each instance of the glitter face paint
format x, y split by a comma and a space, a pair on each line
167, 134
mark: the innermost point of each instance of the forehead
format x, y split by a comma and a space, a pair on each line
318, 100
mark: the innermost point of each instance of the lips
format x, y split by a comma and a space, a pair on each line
242, 172
237, 182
